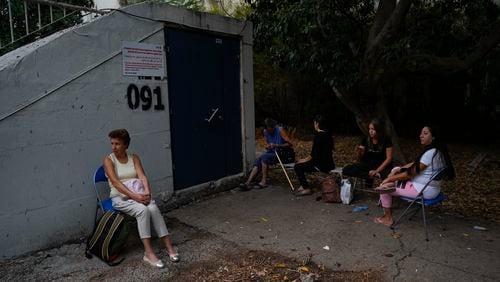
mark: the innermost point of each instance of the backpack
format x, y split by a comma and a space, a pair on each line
330, 189
108, 238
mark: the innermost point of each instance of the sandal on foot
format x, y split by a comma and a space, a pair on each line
158, 263
377, 220
259, 186
303, 192
385, 189
174, 257
244, 187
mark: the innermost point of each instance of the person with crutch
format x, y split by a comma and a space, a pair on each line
276, 138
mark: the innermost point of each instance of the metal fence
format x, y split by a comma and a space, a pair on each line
24, 21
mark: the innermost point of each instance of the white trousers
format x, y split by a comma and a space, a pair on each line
144, 215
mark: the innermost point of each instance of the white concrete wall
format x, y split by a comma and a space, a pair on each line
49, 148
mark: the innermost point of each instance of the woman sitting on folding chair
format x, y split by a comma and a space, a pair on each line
414, 176
276, 138
320, 158
122, 168
374, 153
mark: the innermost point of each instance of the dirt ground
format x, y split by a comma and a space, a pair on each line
252, 265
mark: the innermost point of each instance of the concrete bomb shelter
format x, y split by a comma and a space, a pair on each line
181, 82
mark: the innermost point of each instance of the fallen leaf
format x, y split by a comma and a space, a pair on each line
358, 221
280, 265
396, 235
261, 273
264, 219
303, 269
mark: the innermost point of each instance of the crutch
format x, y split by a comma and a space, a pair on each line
284, 170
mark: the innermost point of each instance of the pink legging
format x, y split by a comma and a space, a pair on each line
407, 191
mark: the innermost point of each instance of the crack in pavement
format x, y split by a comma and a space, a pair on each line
400, 260
458, 269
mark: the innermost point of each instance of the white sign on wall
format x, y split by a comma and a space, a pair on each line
141, 59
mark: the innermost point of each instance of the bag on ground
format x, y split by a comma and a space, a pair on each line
346, 193
330, 190
108, 238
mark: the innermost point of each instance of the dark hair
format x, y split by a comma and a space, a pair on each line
121, 134
322, 122
440, 146
270, 123
379, 128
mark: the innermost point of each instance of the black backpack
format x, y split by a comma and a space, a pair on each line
108, 238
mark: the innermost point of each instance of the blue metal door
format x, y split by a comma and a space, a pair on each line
203, 73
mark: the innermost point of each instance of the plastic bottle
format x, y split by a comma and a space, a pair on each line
360, 208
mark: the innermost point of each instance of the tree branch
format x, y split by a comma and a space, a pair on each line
392, 26
485, 45
384, 10
423, 63
386, 35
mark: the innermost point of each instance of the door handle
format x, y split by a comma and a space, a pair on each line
214, 111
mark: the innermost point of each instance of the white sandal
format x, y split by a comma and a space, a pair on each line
174, 257
158, 263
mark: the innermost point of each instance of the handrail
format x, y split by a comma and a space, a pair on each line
69, 6
17, 38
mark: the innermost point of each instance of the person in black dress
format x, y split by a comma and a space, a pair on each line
320, 159
375, 155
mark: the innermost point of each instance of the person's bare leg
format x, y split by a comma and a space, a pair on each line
167, 241
148, 250
264, 174
252, 175
386, 219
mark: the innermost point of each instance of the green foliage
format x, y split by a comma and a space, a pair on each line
195, 5
230, 8
328, 40
18, 18
323, 37
329, 37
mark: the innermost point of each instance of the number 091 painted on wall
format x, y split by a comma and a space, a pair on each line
144, 97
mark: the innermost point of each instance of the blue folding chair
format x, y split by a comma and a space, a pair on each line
422, 203
104, 202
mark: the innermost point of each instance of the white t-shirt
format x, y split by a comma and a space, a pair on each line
433, 165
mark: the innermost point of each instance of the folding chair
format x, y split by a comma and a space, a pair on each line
103, 200
422, 203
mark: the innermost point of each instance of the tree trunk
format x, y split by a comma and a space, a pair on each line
363, 118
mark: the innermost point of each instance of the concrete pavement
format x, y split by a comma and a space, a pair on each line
272, 219
275, 220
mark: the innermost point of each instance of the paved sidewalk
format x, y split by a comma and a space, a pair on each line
275, 220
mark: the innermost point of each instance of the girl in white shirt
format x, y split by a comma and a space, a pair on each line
434, 157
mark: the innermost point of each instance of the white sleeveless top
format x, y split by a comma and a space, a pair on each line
124, 172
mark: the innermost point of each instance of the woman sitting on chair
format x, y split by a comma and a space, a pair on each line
121, 169
276, 138
374, 154
434, 158
320, 158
